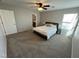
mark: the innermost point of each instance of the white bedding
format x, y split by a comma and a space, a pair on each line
46, 30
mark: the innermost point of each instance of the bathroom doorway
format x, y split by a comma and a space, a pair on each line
69, 23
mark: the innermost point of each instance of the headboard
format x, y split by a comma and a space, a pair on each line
57, 25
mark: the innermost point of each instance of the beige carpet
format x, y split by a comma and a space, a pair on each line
30, 45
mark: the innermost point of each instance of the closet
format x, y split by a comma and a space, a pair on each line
8, 21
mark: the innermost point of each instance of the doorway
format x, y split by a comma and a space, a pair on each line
68, 24
34, 20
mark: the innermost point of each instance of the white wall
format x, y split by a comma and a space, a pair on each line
23, 19
57, 15
75, 44
23, 16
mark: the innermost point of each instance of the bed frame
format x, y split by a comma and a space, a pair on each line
57, 25
45, 37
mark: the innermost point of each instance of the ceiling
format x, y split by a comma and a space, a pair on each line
59, 4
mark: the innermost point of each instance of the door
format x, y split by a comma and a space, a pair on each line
8, 20
2, 32
3, 41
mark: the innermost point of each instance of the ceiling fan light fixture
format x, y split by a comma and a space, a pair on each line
40, 9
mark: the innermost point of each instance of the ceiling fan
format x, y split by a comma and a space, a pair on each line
42, 6
38, 4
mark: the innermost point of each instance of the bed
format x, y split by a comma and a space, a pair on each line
46, 31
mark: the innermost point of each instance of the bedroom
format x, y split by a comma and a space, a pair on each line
29, 44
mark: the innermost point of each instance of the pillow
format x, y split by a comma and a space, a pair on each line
50, 25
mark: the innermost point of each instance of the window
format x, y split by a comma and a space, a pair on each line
69, 21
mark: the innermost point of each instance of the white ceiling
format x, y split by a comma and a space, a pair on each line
59, 4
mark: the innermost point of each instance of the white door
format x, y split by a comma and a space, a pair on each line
9, 21
2, 32
3, 42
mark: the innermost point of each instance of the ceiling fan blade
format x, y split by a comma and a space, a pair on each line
46, 6
39, 4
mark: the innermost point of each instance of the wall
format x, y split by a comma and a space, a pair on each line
23, 16
75, 44
57, 15
23, 19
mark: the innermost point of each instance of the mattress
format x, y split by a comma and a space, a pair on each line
46, 30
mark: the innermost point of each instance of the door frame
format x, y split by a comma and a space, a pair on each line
34, 19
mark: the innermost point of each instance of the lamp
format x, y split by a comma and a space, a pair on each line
40, 9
